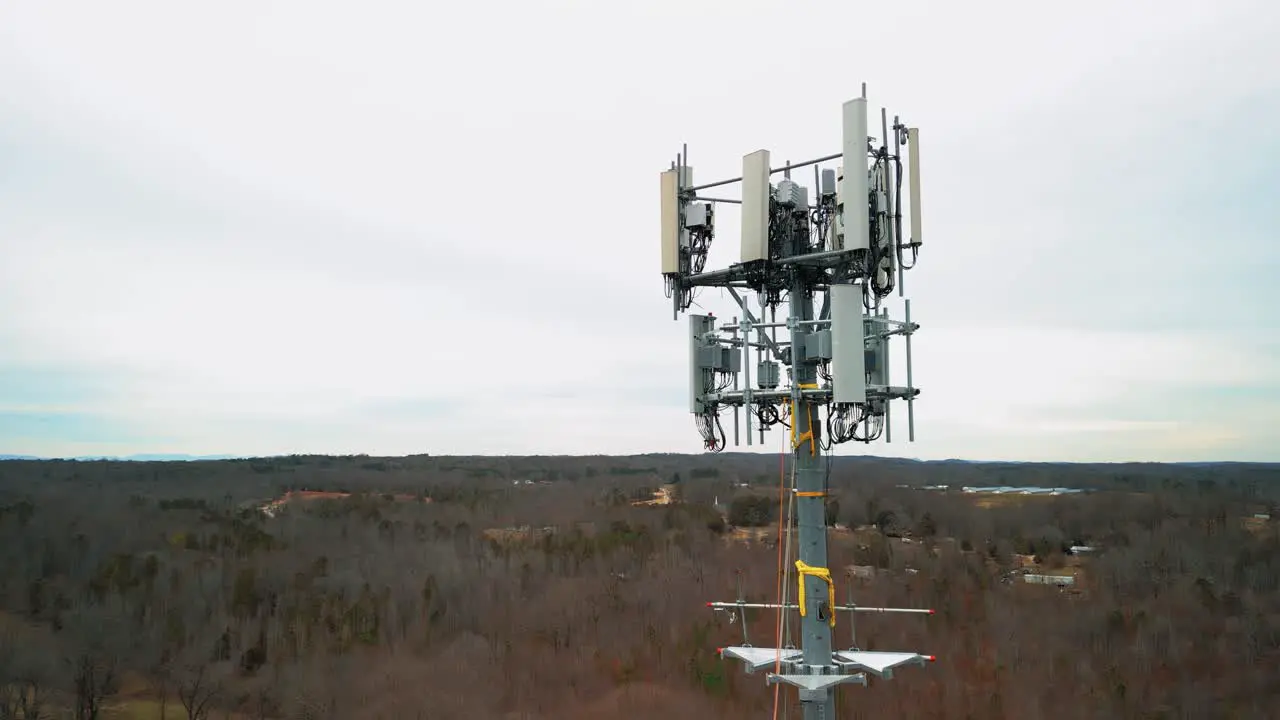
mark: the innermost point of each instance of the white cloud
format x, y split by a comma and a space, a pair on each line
263, 225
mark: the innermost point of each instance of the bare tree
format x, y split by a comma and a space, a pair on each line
26, 674
201, 660
261, 700
96, 642
160, 676
200, 683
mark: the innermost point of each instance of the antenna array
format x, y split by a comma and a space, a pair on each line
841, 242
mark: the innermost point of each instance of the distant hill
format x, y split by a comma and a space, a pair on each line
129, 458
720, 459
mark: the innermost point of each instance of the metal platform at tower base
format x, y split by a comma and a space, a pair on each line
817, 681
879, 663
846, 665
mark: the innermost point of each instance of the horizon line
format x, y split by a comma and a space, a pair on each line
186, 457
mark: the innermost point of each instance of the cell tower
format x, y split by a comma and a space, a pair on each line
842, 243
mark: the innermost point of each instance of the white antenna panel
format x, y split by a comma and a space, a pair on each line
913, 167
853, 188
848, 345
755, 206
670, 224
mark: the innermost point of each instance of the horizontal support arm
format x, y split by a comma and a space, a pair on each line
772, 171
841, 608
736, 397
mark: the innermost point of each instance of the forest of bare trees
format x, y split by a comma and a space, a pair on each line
427, 587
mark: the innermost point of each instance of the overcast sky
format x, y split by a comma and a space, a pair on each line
399, 227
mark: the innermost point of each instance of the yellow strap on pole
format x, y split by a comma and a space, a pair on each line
808, 434
823, 574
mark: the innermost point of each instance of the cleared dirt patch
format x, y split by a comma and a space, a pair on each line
1003, 500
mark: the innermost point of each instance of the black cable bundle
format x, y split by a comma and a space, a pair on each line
708, 424
844, 422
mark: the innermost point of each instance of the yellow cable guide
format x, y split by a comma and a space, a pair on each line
823, 574
808, 434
